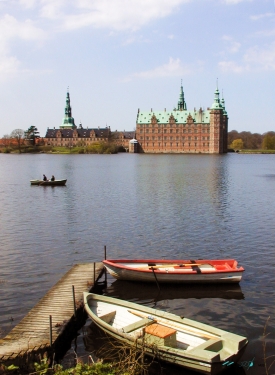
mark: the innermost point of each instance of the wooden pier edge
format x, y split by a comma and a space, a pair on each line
59, 313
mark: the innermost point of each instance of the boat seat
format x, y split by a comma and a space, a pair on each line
136, 325
108, 317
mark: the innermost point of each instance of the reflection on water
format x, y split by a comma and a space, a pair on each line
131, 291
143, 206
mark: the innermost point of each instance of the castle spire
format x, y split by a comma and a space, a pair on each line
223, 105
181, 102
217, 104
68, 120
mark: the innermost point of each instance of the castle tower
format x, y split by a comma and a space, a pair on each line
217, 131
225, 126
181, 102
68, 120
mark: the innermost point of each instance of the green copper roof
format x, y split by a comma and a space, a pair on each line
181, 102
217, 104
68, 120
144, 117
223, 106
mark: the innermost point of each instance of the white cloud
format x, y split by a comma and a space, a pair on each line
173, 68
261, 58
230, 2
255, 59
266, 33
231, 66
260, 16
115, 14
11, 29
232, 45
28, 3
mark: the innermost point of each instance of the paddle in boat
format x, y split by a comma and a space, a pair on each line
167, 336
48, 182
175, 271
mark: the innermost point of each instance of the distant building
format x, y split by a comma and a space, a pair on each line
70, 135
183, 131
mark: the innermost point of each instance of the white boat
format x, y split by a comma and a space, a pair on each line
175, 271
48, 182
171, 338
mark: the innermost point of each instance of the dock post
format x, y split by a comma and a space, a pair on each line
105, 271
94, 273
51, 331
74, 301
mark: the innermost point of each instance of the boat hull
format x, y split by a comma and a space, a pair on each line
198, 347
49, 183
170, 271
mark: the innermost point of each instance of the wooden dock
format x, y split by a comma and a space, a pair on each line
54, 310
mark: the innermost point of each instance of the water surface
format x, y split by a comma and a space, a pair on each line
146, 206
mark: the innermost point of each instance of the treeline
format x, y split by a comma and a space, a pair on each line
251, 141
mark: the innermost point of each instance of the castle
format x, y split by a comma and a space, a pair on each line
176, 131
69, 135
183, 131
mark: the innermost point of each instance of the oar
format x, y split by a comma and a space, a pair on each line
172, 265
174, 325
155, 277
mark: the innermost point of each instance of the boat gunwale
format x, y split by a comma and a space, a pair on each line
118, 263
188, 359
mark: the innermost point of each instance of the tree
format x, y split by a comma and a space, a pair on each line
18, 135
269, 141
6, 140
31, 135
237, 144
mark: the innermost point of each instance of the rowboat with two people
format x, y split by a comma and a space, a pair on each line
168, 337
175, 271
48, 182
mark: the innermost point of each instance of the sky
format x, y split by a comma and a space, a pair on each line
118, 56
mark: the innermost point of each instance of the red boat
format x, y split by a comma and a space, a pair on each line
175, 271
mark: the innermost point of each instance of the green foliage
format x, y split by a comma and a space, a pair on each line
269, 141
102, 148
85, 369
31, 135
251, 141
42, 367
237, 144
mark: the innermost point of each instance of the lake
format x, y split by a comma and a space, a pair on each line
144, 206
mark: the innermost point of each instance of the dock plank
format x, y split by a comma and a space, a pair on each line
33, 330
